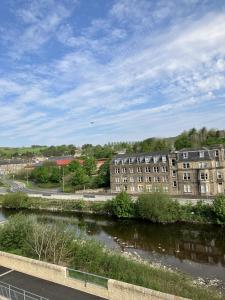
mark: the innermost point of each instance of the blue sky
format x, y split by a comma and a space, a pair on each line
96, 71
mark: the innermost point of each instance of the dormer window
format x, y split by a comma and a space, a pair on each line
130, 160
185, 155
163, 158
201, 154
216, 153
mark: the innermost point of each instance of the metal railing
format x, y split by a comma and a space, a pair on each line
88, 277
13, 293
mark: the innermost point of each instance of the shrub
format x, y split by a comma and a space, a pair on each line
123, 206
219, 208
157, 207
14, 233
15, 200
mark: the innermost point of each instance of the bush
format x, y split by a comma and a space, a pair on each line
15, 200
219, 208
158, 207
14, 233
123, 206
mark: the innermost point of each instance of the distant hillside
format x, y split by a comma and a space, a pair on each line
188, 139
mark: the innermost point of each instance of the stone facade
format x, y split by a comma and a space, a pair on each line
12, 166
193, 172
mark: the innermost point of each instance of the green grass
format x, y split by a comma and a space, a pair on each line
91, 257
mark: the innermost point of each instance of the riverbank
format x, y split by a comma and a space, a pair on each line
90, 256
156, 207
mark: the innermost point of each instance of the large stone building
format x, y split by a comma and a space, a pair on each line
195, 172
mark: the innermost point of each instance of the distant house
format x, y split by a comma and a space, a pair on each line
12, 166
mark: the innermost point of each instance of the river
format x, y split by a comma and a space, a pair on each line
198, 250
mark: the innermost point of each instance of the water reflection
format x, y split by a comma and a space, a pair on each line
196, 249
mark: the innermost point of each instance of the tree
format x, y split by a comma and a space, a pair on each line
123, 206
89, 166
79, 177
73, 166
219, 208
103, 176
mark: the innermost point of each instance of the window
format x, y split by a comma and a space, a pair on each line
217, 164
165, 189
156, 179
140, 179
149, 188
140, 188
147, 170
174, 173
130, 161
116, 161
164, 179
219, 175
139, 169
125, 188
164, 158
216, 153
204, 176
123, 170
117, 180
132, 188
174, 184
203, 165
118, 188
156, 169
204, 188
131, 170
186, 165
125, 179
201, 154
186, 176
185, 155
117, 170
148, 179
173, 162
187, 188
164, 169
131, 179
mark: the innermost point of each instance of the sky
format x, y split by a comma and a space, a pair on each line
97, 71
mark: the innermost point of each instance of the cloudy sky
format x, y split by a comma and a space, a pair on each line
95, 71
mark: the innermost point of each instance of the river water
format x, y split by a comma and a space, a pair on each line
198, 250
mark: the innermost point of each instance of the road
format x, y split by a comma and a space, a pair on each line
43, 288
16, 186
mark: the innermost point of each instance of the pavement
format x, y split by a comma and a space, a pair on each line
44, 288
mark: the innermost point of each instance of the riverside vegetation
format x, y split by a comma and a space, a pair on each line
154, 207
58, 243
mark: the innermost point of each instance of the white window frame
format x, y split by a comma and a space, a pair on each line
185, 155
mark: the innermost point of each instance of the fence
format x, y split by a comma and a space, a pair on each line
88, 278
13, 293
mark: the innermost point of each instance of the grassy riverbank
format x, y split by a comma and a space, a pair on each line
155, 207
57, 243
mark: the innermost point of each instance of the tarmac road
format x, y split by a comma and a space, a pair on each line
44, 288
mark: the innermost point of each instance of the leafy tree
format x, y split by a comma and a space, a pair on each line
79, 177
103, 176
73, 166
219, 208
89, 166
123, 206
